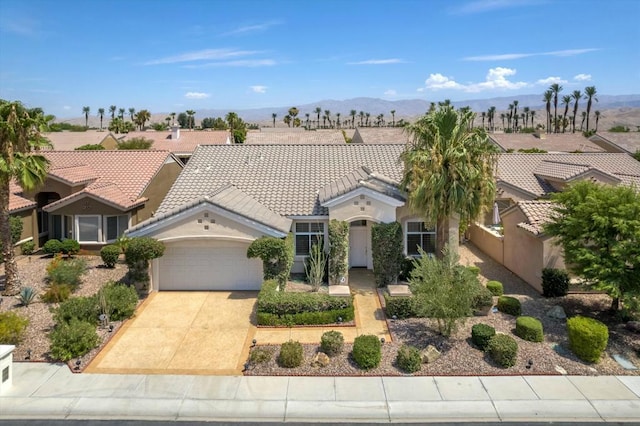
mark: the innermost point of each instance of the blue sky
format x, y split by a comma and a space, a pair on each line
177, 55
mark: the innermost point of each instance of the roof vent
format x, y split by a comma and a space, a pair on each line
175, 132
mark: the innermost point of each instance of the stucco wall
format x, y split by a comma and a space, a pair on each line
363, 207
523, 251
87, 206
29, 220
488, 242
109, 142
157, 190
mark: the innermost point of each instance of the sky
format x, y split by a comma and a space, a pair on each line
165, 55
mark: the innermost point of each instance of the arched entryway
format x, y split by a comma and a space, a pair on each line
360, 243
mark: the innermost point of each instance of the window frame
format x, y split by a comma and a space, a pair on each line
105, 220
77, 219
424, 231
309, 234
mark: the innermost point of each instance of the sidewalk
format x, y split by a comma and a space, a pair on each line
51, 391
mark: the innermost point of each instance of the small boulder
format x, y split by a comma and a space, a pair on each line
557, 313
633, 326
561, 370
430, 354
320, 360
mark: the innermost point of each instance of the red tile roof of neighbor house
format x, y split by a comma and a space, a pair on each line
65, 141
186, 143
553, 142
16, 201
114, 177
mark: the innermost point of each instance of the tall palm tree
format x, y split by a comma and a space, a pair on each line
448, 172
597, 114
112, 111
503, 116
287, 120
327, 114
566, 100
590, 95
338, 119
273, 116
101, 115
393, 117
533, 114
483, 115
293, 112
547, 97
142, 117
510, 115
307, 116
20, 141
132, 113
576, 95
584, 117
318, 110
86, 110
526, 116
191, 114
367, 115
121, 113
555, 89
353, 113
361, 115
515, 115
173, 118
492, 116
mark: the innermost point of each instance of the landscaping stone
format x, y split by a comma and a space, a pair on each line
339, 290
398, 290
430, 354
557, 312
320, 360
624, 363
561, 370
633, 326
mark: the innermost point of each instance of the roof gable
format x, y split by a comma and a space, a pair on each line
362, 178
537, 213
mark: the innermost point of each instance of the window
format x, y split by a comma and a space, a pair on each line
89, 229
306, 235
419, 235
115, 226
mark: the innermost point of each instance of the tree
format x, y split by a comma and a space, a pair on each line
121, 113
361, 115
566, 100
287, 120
191, 114
273, 116
142, 117
576, 95
183, 120
136, 143
318, 110
327, 116
132, 113
597, 114
515, 115
448, 172
353, 113
293, 112
492, 116
547, 97
20, 141
85, 111
101, 115
307, 121
367, 116
555, 89
533, 114
173, 118
112, 111
393, 117
598, 228
590, 95
526, 116
338, 119
584, 116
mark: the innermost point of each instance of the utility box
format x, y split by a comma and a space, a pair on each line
6, 367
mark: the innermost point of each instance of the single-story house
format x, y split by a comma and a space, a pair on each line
67, 141
94, 196
380, 135
550, 142
294, 136
626, 142
228, 196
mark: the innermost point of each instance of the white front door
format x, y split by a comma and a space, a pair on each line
358, 246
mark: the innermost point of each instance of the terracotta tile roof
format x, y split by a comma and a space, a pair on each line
74, 174
284, 178
16, 201
537, 213
554, 142
66, 141
295, 137
360, 178
115, 177
627, 141
380, 135
186, 143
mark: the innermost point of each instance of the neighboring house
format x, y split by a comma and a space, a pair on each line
67, 141
228, 196
295, 136
524, 181
550, 142
627, 142
183, 142
380, 135
94, 196
25, 209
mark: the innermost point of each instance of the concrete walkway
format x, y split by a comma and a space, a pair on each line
51, 391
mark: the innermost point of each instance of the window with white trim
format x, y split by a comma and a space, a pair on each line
88, 228
307, 233
115, 226
420, 235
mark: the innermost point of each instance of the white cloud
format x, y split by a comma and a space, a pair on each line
66, 107
551, 80
481, 6
511, 56
496, 79
248, 63
201, 55
258, 89
196, 95
390, 92
246, 29
378, 62
582, 77
438, 81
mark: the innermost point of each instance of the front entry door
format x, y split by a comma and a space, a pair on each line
358, 245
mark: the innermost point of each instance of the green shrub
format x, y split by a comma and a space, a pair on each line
481, 334
409, 359
475, 270
367, 351
138, 252
400, 306
260, 355
66, 272
407, 266
588, 338
56, 293
109, 255
529, 328
338, 250
495, 287
121, 300
84, 309
503, 350
482, 299
315, 265
12, 328
52, 247
26, 295
90, 147
331, 342
277, 257
74, 339
386, 251
555, 282
509, 305
28, 247
70, 247
291, 354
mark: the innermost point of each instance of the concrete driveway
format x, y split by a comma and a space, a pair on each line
183, 333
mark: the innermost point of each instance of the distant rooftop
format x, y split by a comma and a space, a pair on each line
294, 136
626, 141
380, 135
552, 142
186, 143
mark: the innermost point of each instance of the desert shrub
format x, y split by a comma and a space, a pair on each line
90, 147
66, 271
83, 309
277, 257
409, 359
121, 300
28, 247
529, 328
386, 251
331, 342
407, 266
555, 282
109, 255
138, 252
260, 355
291, 354
482, 299
495, 287
26, 295
338, 250
70, 247
56, 293
135, 143
481, 334
503, 350
315, 265
52, 247
73, 339
367, 351
588, 337
475, 270
400, 306
12, 328
509, 305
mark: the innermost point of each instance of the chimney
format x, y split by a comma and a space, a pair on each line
175, 132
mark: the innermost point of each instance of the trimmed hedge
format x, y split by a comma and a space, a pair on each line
367, 351
509, 305
555, 282
588, 338
331, 342
503, 350
291, 354
529, 328
495, 287
52, 247
282, 308
109, 255
409, 359
481, 334
400, 306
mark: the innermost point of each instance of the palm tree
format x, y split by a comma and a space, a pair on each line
566, 100
448, 172
173, 118
191, 114
515, 115
492, 116
353, 113
101, 115
112, 111
273, 116
132, 112
318, 110
510, 116
367, 116
20, 141
142, 117
503, 116
168, 120
576, 95
121, 113
584, 116
393, 117
526, 116
85, 111
548, 96
590, 95
555, 89
287, 120
293, 112
483, 115
338, 119
307, 116
597, 114
361, 115
533, 114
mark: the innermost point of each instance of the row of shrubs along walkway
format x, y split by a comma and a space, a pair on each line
369, 317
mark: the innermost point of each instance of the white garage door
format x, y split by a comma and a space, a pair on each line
211, 265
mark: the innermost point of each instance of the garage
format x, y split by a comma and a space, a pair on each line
208, 265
